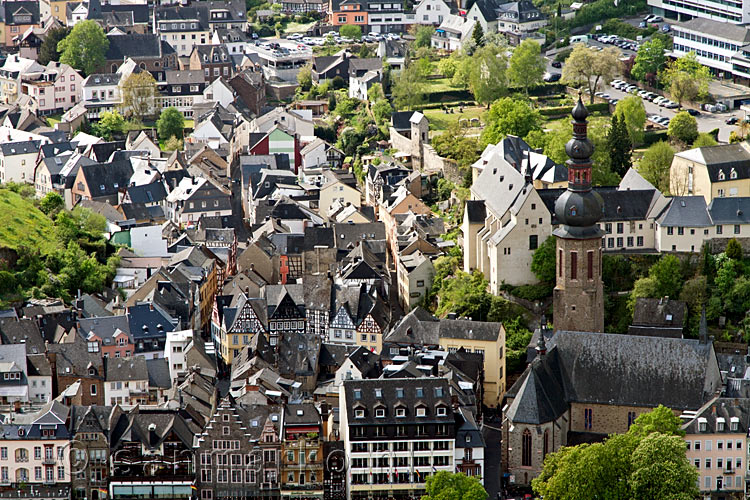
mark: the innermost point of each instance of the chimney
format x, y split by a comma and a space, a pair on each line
541, 345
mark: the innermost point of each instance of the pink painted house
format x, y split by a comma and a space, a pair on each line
716, 438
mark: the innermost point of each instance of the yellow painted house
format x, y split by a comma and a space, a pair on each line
712, 172
419, 328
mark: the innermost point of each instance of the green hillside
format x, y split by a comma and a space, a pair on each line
22, 224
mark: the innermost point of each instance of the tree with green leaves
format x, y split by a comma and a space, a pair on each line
619, 146
587, 67
543, 261
446, 485
478, 34
304, 78
352, 31
683, 127
488, 78
171, 123
655, 163
664, 280
686, 78
508, 116
110, 125
632, 113
647, 462
424, 66
48, 50
85, 47
527, 66
734, 249
375, 93
423, 36
51, 204
138, 92
382, 111
649, 61
703, 140
408, 90
173, 144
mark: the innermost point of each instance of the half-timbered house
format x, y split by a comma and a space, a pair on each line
286, 311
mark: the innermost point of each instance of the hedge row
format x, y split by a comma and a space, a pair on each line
565, 110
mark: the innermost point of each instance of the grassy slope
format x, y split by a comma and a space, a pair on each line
22, 224
439, 120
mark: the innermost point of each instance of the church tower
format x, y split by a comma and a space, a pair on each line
578, 298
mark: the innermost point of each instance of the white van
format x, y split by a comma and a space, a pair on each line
579, 39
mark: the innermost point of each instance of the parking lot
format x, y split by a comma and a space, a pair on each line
706, 121
339, 40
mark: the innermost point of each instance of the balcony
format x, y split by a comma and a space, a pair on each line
308, 465
729, 471
49, 460
49, 480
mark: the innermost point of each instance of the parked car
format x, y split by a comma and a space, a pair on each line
552, 77
657, 19
642, 24
294, 36
556, 64
665, 28
671, 105
614, 102
731, 120
693, 112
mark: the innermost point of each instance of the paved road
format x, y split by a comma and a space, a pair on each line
492, 454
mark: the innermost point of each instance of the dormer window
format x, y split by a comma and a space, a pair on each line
721, 175
421, 412
720, 424
441, 411
359, 413
400, 412
438, 392
92, 372
357, 394
420, 392
733, 174
378, 393
380, 413
702, 424
734, 424
399, 393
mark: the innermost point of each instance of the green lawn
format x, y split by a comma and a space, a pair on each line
439, 120
298, 27
22, 224
440, 85
52, 120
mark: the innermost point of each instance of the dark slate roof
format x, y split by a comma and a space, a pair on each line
476, 211
722, 158
316, 236
54, 149
618, 205
659, 312
137, 46
488, 8
469, 330
400, 120
434, 393
347, 234
731, 210
14, 10
158, 373
301, 414
418, 327
609, 369
147, 193
334, 355
123, 369
368, 363
105, 179
102, 151
685, 211
729, 409
19, 148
